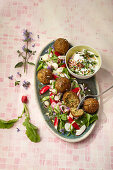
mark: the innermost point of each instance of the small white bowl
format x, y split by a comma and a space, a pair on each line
73, 50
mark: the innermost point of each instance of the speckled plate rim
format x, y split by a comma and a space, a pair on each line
64, 139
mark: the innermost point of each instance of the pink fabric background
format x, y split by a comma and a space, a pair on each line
88, 22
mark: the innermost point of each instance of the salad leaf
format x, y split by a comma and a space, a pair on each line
31, 131
7, 124
45, 98
63, 116
93, 118
40, 66
57, 109
65, 70
50, 109
49, 50
60, 124
54, 59
88, 116
86, 119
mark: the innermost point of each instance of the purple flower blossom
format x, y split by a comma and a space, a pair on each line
19, 74
33, 45
62, 131
52, 47
27, 35
26, 84
54, 113
48, 67
18, 129
63, 61
23, 48
85, 88
11, 77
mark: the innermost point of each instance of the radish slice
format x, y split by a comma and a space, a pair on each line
46, 103
57, 98
53, 104
61, 57
45, 57
81, 130
68, 127
52, 81
56, 122
55, 65
74, 124
64, 108
59, 70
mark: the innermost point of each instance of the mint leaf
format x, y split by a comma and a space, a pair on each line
31, 131
20, 64
7, 124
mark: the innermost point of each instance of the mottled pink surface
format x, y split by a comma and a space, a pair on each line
87, 22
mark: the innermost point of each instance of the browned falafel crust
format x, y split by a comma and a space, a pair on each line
61, 45
91, 105
62, 84
44, 76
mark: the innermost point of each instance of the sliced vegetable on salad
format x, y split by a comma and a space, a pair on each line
64, 94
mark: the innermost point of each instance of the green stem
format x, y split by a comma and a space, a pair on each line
25, 63
26, 110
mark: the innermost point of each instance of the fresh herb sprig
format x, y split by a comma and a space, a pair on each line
26, 53
31, 130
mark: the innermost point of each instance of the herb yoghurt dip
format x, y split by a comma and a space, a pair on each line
83, 63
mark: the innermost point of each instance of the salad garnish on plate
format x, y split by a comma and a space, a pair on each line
62, 93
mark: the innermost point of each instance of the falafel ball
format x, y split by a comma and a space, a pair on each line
71, 99
44, 75
91, 105
61, 45
76, 112
62, 84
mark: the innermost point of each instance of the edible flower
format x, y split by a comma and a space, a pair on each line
74, 124
26, 84
11, 77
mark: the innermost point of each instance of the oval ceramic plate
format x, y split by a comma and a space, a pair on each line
91, 83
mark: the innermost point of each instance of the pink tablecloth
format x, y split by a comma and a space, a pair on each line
80, 22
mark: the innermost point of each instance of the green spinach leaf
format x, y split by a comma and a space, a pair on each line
7, 124
31, 131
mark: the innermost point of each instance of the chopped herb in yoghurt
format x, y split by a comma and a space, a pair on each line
83, 63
